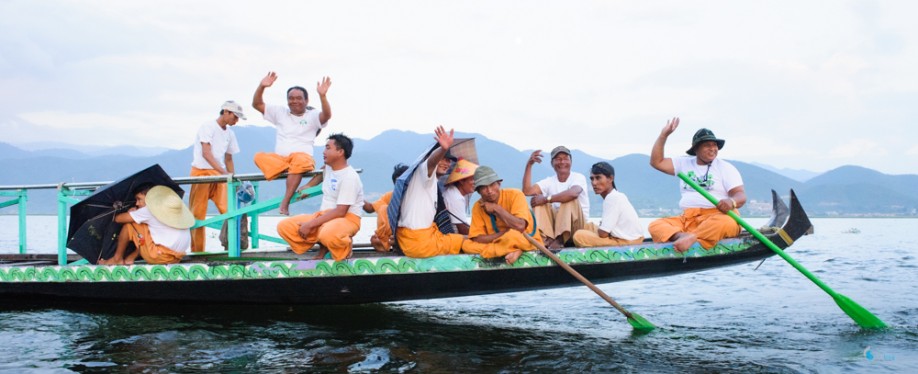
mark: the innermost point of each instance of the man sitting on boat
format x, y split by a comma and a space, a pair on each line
700, 221
560, 201
158, 227
338, 218
501, 219
382, 237
457, 189
297, 128
619, 224
422, 226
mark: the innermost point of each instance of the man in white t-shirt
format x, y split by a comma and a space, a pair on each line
701, 221
560, 202
214, 147
338, 219
297, 128
619, 224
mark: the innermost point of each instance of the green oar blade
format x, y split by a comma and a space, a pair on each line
859, 314
640, 323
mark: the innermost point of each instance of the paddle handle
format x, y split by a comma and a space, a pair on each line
577, 275
758, 235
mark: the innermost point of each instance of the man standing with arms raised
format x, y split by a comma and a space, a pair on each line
700, 221
297, 128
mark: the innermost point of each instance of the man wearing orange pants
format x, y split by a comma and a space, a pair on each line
382, 237
338, 219
501, 219
297, 128
214, 146
414, 208
701, 221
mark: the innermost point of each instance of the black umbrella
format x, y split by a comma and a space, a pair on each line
93, 232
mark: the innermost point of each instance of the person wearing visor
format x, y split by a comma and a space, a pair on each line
214, 147
701, 221
619, 224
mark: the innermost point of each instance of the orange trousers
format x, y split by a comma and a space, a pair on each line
336, 235
152, 253
589, 237
197, 202
273, 164
383, 230
511, 241
709, 225
429, 242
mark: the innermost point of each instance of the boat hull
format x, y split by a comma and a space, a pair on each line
375, 279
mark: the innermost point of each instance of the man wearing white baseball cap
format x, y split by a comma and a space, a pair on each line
214, 146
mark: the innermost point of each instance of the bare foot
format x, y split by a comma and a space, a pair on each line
129, 259
554, 244
323, 250
284, 208
112, 261
513, 256
684, 241
377, 244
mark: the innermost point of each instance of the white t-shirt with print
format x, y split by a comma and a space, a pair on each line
178, 240
342, 187
619, 218
552, 185
294, 133
222, 142
718, 180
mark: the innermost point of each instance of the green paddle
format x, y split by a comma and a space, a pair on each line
638, 322
862, 316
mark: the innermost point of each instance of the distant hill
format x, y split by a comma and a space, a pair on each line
845, 191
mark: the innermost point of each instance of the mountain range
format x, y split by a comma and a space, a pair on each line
844, 191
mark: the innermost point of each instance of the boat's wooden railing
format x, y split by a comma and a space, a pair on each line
68, 193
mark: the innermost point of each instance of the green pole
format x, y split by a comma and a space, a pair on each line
859, 314
253, 219
62, 226
232, 231
23, 197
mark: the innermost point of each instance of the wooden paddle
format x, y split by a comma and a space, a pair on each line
859, 314
638, 322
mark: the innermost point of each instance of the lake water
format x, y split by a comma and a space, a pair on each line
733, 319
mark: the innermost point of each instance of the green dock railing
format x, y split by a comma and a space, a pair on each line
70, 193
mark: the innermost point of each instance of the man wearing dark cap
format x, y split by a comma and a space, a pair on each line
700, 221
560, 202
619, 224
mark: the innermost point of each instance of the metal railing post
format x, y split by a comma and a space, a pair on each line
232, 228
253, 221
23, 197
62, 225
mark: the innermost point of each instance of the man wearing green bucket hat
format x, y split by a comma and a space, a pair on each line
701, 221
501, 219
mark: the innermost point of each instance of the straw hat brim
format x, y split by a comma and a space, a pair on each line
168, 208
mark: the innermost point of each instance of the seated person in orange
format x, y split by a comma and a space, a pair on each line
701, 221
417, 234
501, 219
457, 189
382, 237
158, 227
619, 224
297, 128
560, 202
338, 219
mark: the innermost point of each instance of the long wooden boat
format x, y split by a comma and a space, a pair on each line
285, 278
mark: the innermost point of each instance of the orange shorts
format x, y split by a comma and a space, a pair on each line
273, 164
152, 253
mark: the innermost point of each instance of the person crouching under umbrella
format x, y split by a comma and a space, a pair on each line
158, 226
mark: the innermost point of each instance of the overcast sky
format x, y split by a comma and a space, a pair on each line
794, 84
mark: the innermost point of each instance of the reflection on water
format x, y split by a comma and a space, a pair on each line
732, 319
